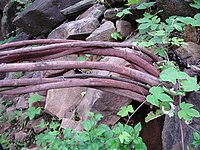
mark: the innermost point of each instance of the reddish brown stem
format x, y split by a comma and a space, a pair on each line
92, 82
58, 65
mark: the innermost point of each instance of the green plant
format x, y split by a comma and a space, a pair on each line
196, 139
4, 142
7, 40
33, 111
195, 4
93, 137
116, 36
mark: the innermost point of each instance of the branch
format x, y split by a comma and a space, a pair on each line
58, 65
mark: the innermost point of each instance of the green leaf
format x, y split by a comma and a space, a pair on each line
119, 14
34, 98
160, 51
157, 94
32, 111
127, 12
131, 2
54, 125
187, 112
145, 5
195, 4
81, 58
116, 35
172, 74
87, 125
190, 84
152, 115
196, 140
125, 110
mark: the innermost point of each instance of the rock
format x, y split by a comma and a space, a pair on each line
78, 7
102, 102
171, 134
42, 15
7, 26
175, 7
96, 11
103, 33
114, 3
68, 123
75, 29
60, 105
110, 14
190, 34
123, 27
21, 136
35, 125
3, 4
9, 111
22, 102
190, 52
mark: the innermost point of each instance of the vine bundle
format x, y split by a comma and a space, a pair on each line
135, 83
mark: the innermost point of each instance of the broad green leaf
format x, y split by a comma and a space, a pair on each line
143, 26
127, 11
116, 35
131, 2
34, 98
32, 111
145, 5
153, 100
190, 84
119, 14
187, 112
87, 125
195, 4
172, 74
125, 110
160, 51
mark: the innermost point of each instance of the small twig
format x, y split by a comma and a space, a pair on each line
135, 111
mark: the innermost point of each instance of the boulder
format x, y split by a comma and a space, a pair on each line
21, 136
175, 7
42, 15
59, 105
110, 14
123, 27
79, 29
3, 4
96, 11
103, 33
7, 27
190, 52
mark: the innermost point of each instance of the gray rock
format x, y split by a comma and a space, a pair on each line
22, 102
21, 136
80, 6
75, 29
96, 11
102, 102
34, 124
123, 27
190, 52
60, 105
175, 7
110, 14
68, 123
3, 4
42, 15
7, 27
103, 33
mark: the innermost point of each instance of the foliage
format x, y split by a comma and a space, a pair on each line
131, 2
195, 4
145, 5
116, 35
4, 142
187, 112
7, 40
196, 140
123, 13
33, 111
93, 137
153, 115
125, 110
